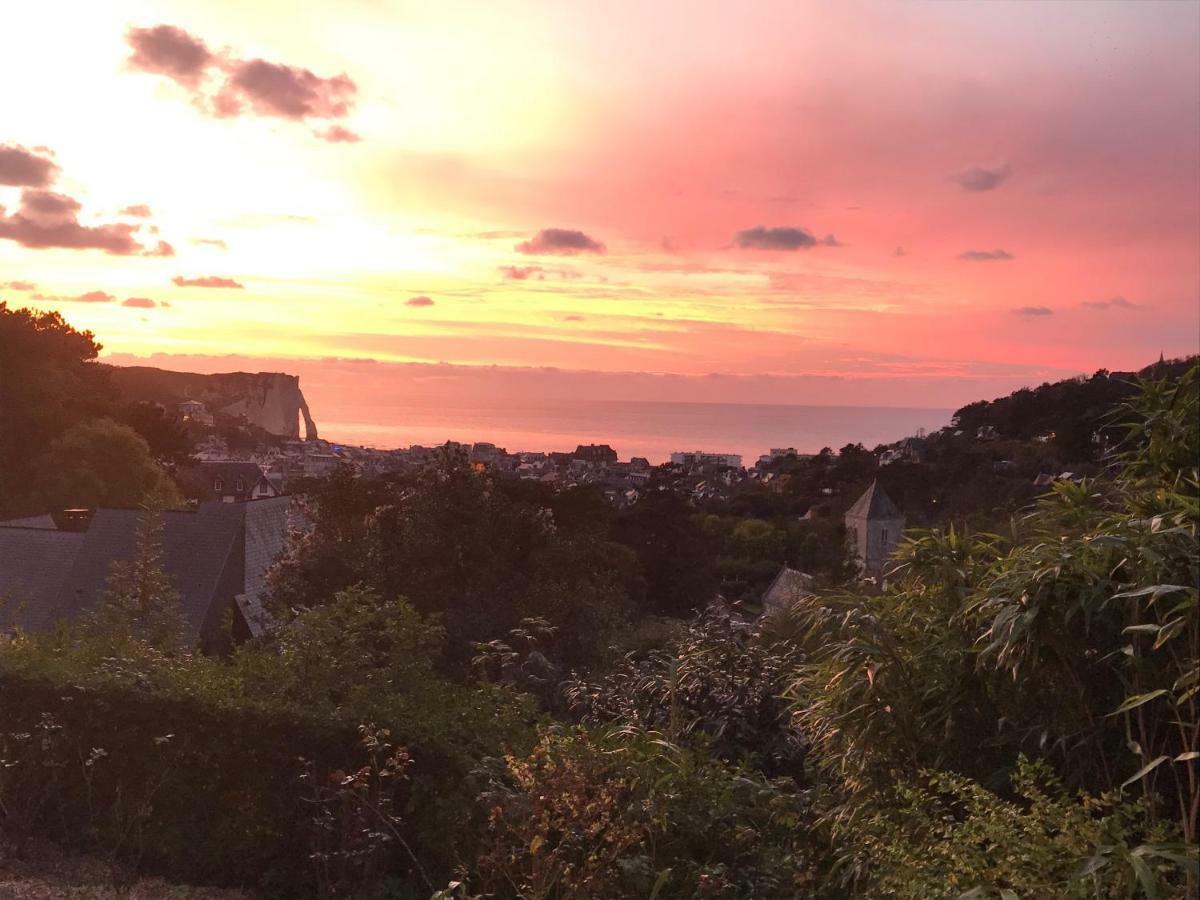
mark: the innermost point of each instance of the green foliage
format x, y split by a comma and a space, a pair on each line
140, 602
458, 547
944, 835
718, 687
614, 814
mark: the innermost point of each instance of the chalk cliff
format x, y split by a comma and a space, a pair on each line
271, 400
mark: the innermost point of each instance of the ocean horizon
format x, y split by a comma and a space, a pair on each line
648, 428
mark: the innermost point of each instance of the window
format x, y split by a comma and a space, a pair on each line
885, 537
218, 484
240, 484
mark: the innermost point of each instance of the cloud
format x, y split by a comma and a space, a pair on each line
1033, 311
780, 238
978, 178
207, 281
980, 255
338, 134
560, 242
573, 318
49, 220
290, 92
1112, 303
140, 210
900, 251
419, 301
92, 297
523, 273
47, 206
210, 242
166, 50
227, 86
17, 286
139, 303
25, 168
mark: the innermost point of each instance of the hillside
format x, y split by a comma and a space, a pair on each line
271, 400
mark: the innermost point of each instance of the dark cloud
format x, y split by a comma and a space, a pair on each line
338, 134
140, 210
225, 85
17, 286
981, 255
1112, 303
207, 281
419, 301
980, 179
166, 50
25, 168
560, 242
780, 238
48, 206
46, 219
1033, 311
290, 92
523, 273
139, 303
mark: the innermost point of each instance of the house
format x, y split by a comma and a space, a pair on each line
217, 556
595, 454
194, 411
788, 586
701, 458
875, 525
986, 433
226, 482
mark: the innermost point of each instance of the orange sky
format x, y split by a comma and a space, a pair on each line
872, 203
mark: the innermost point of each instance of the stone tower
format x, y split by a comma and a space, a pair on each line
874, 524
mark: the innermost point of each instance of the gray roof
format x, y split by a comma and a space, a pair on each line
33, 565
43, 521
788, 587
214, 555
874, 504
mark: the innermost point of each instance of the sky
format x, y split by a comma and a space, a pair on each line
858, 203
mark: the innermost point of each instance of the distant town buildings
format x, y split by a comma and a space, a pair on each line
702, 458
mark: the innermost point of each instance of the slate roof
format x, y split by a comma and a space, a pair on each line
33, 565
874, 504
789, 585
216, 556
198, 479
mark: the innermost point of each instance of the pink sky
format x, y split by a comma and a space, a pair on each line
852, 203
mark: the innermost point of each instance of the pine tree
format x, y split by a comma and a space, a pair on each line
140, 602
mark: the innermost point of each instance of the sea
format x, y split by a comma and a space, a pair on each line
651, 429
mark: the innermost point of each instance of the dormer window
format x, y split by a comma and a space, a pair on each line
240, 484
218, 484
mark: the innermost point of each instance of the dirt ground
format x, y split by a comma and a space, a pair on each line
42, 872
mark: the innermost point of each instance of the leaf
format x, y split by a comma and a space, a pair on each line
1144, 770
1169, 631
1144, 875
1006, 894
659, 883
1184, 757
536, 844
1137, 700
1098, 861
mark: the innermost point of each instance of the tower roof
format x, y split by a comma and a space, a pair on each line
874, 504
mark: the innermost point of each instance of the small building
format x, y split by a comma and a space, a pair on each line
789, 586
226, 482
595, 454
875, 525
702, 458
217, 557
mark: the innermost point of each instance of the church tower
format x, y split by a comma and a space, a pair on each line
874, 524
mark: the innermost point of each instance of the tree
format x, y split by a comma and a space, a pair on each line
100, 462
140, 602
49, 381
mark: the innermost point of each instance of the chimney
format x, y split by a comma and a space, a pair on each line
74, 519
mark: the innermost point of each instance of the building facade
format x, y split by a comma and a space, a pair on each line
874, 525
